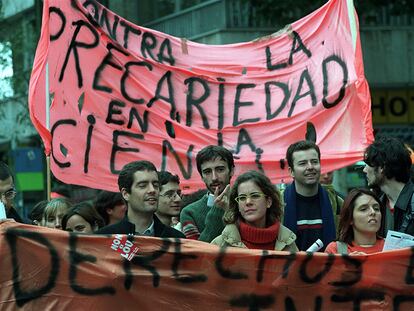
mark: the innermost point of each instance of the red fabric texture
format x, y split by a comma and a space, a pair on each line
332, 248
259, 238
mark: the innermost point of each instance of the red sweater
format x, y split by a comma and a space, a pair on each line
259, 238
332, 248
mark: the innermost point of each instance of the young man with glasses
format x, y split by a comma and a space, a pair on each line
169, 202
8, 192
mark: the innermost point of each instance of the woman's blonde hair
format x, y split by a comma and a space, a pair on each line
54, 206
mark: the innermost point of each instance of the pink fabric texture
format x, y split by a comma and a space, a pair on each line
121, 92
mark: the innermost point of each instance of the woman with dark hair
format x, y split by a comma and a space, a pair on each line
359, 224
253, 216
82, 218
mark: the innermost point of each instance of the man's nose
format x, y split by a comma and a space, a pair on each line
151, 188
214, 175
309, 164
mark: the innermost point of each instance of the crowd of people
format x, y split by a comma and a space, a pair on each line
252, 212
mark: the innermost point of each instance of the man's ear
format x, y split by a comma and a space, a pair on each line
125, 194
291, 172
109, 211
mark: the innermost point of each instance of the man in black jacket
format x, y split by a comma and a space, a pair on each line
139, 186
388, 165
8, 192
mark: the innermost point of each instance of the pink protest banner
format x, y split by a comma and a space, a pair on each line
122, 92
48, 269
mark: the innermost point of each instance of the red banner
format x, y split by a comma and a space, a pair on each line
47, 269
122, 92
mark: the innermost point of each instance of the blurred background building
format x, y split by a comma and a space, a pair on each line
387, 32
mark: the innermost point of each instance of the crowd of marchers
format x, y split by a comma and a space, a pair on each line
249, 212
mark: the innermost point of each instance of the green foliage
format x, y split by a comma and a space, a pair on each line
6, 70
17, 47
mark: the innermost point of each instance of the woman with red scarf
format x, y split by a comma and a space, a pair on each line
253, 216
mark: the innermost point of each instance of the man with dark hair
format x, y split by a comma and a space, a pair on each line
169, 203
139, 186
311, 211
111, 206
203, 219
36, 214
388, 165
8, 192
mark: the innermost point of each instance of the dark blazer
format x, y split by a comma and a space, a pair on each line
403, 211
125, 227
12, 213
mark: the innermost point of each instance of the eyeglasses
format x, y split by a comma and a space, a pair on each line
171, 194
254, 196
9, 194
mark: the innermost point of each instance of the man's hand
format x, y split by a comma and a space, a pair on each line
222, 200
6, 220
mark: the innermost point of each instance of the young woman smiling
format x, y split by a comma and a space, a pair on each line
359, 224
253, 216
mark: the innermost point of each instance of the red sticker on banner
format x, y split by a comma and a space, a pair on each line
122, 245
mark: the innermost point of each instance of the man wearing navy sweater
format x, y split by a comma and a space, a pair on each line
310, 211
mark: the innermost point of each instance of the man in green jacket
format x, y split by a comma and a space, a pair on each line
202, 220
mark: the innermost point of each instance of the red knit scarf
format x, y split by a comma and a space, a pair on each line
259, 238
